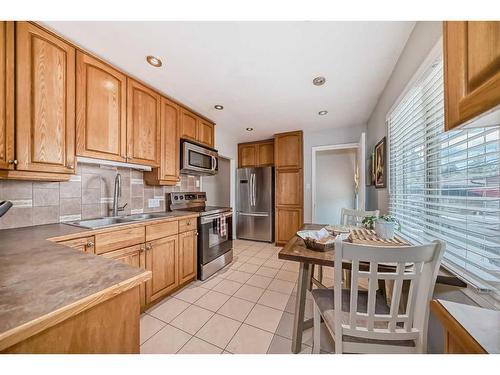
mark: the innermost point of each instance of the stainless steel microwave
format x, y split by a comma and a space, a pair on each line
198, 160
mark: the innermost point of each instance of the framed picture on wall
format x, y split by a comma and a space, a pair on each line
380, 169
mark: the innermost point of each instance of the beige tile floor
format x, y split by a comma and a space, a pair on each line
245, 308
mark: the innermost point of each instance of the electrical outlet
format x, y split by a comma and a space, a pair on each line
153, 203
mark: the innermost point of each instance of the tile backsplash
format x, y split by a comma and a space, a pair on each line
88, 194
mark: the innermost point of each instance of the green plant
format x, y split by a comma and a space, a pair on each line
369, 221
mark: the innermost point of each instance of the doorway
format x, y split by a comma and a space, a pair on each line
337, 180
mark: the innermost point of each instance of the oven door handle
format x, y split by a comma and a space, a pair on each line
208, 219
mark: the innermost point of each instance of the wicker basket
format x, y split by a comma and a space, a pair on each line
312, 244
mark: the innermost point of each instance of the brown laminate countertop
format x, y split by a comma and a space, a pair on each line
40, 279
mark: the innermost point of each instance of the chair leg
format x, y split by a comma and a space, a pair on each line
316, 330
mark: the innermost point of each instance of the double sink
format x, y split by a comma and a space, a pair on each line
117, 220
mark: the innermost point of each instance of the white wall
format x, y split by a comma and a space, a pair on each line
332, 136
218, 187
334, 184
423, 38
227, 145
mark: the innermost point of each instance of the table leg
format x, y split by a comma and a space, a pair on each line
300, 306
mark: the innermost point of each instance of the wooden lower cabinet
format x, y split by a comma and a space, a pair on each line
288, 222
187, 256
110, 327
133, 256
85, 244
162, 256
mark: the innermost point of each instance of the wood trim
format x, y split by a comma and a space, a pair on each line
7, 96
457, 339
33, 176
33, 327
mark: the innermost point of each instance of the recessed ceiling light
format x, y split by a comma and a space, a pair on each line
318, 81
154, 61
219, 107
249, 129
322, 113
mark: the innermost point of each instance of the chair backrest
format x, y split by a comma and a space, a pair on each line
418, 265
355, 217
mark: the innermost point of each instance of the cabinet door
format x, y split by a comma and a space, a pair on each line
289, 187
85, 244
247, 155
288, 222
206, 133
101, 118
187, 256
143, 124
45, 101
265, 154
471, 69
6, 95
161, 259
189, 125
169, 164
288, 150
133, 256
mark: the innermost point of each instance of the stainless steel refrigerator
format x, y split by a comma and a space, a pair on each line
255, 204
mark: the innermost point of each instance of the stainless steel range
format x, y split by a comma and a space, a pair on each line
215, 230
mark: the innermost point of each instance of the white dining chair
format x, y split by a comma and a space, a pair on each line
367, 323
355, 217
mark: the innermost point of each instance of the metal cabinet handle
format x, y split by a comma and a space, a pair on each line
71, 166
13, 161
149, 246
90, 244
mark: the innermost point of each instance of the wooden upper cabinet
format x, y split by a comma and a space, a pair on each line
471, 69
101, 119
45, 101
189, 125
143, 124
265, 153
288, 150
196, 129
187, 256
161, 259
170, 141
256, 154
6, 95
206, 133
247, 155
168, 172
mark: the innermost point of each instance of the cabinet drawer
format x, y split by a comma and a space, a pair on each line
187, 224
160, 230
85, 244
118, 239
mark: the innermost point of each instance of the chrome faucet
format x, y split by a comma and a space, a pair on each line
117, 194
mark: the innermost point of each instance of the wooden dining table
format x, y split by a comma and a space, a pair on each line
295, 250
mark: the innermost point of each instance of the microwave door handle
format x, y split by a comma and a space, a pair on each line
214, 163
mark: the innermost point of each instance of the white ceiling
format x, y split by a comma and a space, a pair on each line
261, 72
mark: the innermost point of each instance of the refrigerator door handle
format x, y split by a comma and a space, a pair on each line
253, 214
252, 203
253, 190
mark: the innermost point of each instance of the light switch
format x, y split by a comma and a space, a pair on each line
197, 183
308, 186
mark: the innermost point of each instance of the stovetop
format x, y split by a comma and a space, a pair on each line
194, 202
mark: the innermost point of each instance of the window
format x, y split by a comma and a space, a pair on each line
446, 185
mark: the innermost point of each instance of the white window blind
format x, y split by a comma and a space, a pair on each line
446, 185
